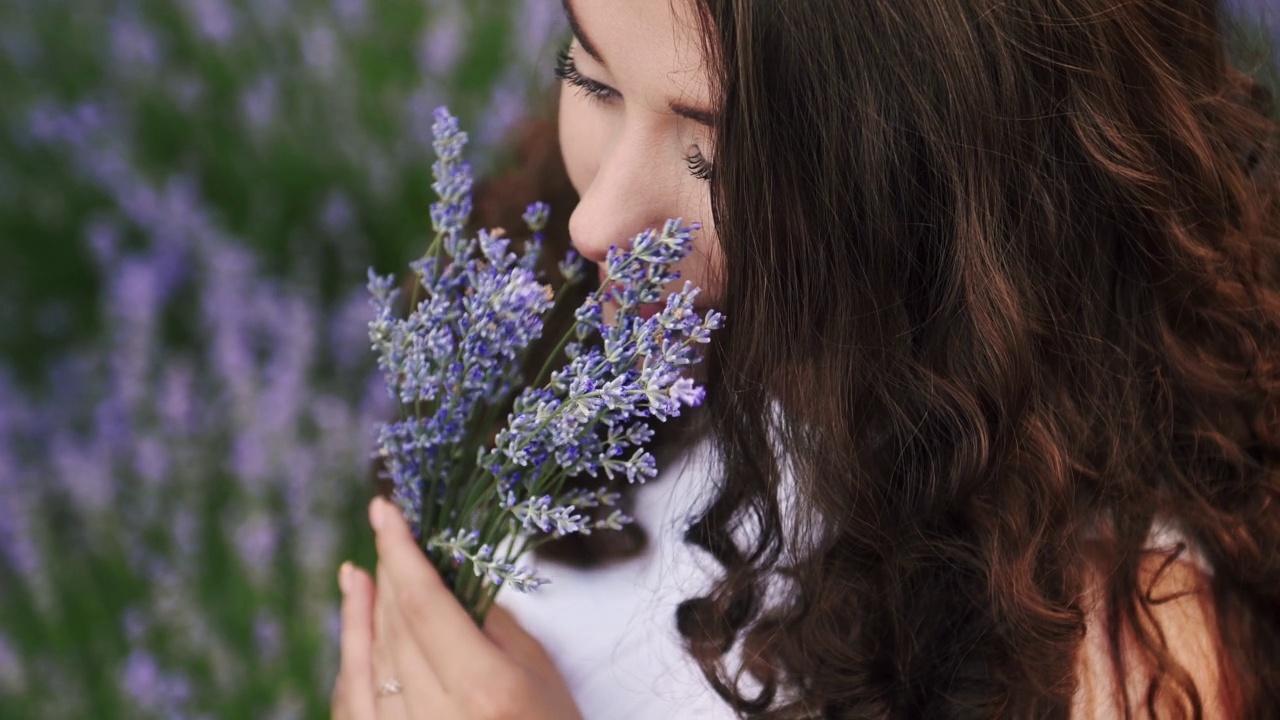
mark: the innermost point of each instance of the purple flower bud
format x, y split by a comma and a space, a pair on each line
268, 636
213, 19
133, 44
258, 103
351, 13
152, 689
13, 677
320, 50
441, 45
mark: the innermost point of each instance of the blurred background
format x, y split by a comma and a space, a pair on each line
191, 192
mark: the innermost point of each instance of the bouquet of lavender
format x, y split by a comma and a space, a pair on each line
478, 505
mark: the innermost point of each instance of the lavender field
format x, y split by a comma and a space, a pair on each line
191, 192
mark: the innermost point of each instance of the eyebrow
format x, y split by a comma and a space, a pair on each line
576, 27
698, 115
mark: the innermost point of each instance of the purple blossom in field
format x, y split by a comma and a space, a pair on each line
256, 539
337, 216
320, 49
440, 47
185, 90
1263, 12
12, 676
103, 239
258, 103
541, 22
152, 689
134, 46
18, 543
505, 108
137, 430
135, 626
349, 332
73, 126
84, 471
213, 19
419, 113
268, 636
220, 409
351, 13
271, 15
21, 49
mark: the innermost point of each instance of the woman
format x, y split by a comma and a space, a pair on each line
996, 420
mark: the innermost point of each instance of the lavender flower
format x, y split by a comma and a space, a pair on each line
216, 398
155, 456
150, 688
476, 308
12, 677
214, 20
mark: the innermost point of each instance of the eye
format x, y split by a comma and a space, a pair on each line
567, 71
698, 164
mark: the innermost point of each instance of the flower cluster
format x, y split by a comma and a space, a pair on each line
456, 358
307, 120
176, 508
188, 202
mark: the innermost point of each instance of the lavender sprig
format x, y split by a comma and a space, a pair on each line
456, 357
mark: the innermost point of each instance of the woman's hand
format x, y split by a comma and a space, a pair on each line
410, 650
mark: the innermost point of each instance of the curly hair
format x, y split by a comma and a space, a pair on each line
1003, 282
1011, 272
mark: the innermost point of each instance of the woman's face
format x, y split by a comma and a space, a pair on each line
635, 130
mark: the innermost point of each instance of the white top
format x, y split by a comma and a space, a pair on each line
611, 630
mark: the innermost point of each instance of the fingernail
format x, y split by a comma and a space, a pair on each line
377, 513
344, 577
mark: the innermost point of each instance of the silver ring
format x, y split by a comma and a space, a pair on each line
390, 687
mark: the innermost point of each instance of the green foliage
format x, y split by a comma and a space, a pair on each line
194, 189
280, 110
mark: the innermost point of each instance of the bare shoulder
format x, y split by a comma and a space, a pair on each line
1182, 612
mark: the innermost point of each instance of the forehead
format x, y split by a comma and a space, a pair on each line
653, 46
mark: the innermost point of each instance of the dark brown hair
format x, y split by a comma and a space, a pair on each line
1003, 290
1011, 272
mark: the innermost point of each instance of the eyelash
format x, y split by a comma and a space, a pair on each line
567, 71
699, 165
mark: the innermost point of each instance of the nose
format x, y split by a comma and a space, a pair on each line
622, 199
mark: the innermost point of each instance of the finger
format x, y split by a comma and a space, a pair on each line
399, 655
338, 702
510, 637
355, 676
392, 706
443, 631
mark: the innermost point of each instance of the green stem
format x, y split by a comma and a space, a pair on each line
564, 340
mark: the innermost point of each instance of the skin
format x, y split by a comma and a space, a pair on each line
627, 153
627, 140
407, 625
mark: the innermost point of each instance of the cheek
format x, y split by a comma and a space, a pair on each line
580, 141
705, 268
715, 274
